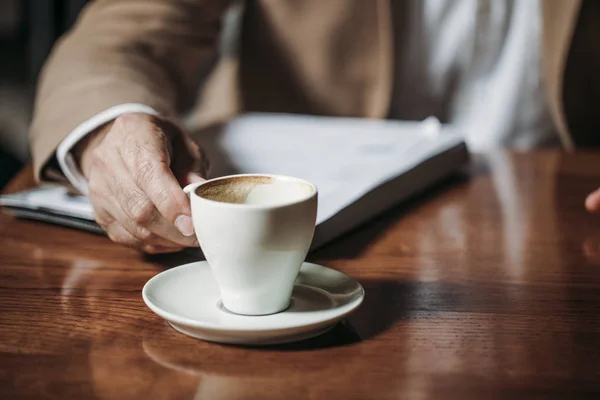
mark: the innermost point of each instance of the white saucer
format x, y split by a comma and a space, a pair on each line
188, 298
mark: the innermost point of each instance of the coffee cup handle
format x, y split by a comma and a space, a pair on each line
189, 189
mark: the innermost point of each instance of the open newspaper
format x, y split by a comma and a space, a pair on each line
361, 167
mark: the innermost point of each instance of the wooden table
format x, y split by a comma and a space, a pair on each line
486, 287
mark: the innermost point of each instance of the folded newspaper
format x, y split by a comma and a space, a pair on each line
361, 167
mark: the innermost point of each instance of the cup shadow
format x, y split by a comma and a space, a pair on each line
386, 302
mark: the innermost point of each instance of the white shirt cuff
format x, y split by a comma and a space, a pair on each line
64, 156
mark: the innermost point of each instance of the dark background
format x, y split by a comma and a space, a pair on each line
28, 30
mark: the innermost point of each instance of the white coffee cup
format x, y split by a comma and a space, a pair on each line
255, 231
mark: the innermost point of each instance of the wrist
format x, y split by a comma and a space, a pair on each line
85, 147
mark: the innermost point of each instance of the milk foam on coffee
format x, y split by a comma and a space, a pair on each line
278, 192
253, 190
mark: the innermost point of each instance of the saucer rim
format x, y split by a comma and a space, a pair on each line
294, 336
193, 323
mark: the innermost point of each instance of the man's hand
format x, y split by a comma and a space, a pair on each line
136, 167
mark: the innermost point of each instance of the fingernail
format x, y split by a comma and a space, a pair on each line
185, 225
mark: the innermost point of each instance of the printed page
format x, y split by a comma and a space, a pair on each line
344, 157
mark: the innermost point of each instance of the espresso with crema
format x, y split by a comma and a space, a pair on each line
254, 190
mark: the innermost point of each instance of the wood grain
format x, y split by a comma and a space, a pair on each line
486, 287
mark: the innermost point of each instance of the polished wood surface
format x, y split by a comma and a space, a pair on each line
485, 287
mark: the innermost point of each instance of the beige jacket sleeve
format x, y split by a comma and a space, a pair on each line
123, 51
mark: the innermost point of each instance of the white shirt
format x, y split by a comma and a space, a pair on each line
475, 64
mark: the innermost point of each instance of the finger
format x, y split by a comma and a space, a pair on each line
156, 180
118, 234
138, 215
102, 217
150, 238
147, 157
119, 199
592, 202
